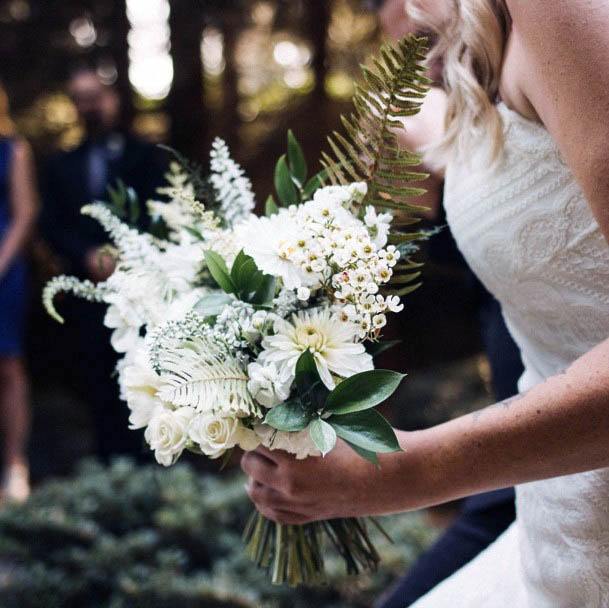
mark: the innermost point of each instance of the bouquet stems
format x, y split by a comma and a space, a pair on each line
294, 554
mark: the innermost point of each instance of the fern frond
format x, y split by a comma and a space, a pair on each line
369, 151
64, 284
200, 373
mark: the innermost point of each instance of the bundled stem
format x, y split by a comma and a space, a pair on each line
294, 554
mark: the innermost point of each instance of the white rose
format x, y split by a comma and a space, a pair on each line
215, 434
167, 433
267, 385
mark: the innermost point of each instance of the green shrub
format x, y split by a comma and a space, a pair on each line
135, 537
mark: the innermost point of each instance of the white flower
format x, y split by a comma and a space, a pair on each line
299, 444
330, 341
167, 433
139, 385
303, 293
378, 225
271, 242
266, 385
394, 304
213, 434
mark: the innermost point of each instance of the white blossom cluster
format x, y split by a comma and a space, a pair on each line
322, 246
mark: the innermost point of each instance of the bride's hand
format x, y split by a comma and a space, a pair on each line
342, 484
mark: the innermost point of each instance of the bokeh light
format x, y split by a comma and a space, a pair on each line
150, 63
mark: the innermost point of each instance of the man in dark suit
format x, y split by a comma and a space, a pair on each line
73, 179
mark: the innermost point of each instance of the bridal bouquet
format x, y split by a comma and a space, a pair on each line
237, 330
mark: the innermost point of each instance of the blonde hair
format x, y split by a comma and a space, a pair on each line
471, 44
7, 127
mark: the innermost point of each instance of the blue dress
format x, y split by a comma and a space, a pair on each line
13, 281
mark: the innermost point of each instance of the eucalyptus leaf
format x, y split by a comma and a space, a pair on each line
363, 391
298, 164
366, 429
212, 304
288, 416
323, 435
218, 270
286, 190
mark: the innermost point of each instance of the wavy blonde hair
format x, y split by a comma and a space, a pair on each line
471, 44
7, 126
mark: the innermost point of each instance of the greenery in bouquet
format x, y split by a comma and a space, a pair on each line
238, 330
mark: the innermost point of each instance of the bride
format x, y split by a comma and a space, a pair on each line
527, 198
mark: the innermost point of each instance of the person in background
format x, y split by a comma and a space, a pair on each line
18, 208
108, 153
482, 518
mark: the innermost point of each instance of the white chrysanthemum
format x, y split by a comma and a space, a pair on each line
330, 341
167, 433
267, 385
271, 242
299, 444
215, 434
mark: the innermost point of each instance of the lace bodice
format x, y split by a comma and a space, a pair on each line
527, 231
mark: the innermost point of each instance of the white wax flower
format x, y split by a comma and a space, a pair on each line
167, 433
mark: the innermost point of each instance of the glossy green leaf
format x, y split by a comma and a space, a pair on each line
369, 456
323, 435
286, 190
265, 292
288, 416
376, 348
363, 391
298, 164
316, 182
218, 270
367, 429
245, 275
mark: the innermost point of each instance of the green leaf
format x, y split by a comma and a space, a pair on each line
270, 207
369, 456
266, 291
316, 182
245, 275
298, 164
286, 190
194, 232
323, 435
306, 371
363, 391
367, 430
288, 416
376, 348
212, 305
218, 270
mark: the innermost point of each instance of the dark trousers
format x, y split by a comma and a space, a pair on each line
95, 362
483, 518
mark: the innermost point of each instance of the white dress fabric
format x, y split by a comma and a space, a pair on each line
526, 230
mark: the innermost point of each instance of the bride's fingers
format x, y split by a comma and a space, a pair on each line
259, 468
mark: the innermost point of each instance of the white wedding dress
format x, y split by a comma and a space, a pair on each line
526, 230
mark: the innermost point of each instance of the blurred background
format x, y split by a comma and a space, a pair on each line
186, 71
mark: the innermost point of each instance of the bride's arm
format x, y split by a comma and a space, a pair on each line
566, 46
558, 428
